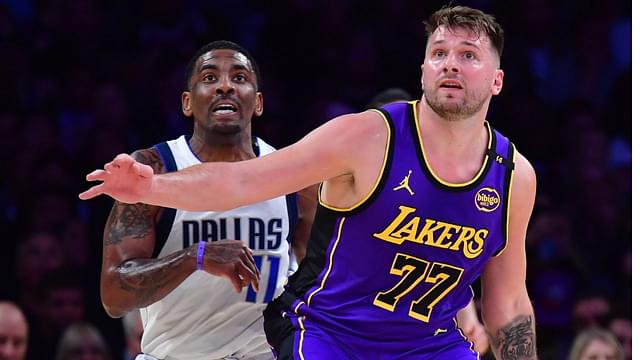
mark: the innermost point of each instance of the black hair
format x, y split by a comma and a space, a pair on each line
215, 45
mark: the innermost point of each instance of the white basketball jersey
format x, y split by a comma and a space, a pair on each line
204, 317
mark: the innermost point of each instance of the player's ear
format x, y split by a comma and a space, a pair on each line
259, 104
186, 104
497, 82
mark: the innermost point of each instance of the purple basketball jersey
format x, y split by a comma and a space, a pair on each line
389, 275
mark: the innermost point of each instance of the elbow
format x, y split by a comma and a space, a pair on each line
113, 311
112, 306
113, 302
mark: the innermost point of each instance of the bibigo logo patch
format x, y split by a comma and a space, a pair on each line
487, 199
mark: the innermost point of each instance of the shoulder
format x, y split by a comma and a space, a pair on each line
151, 157
523, 192
367, 125
524, 174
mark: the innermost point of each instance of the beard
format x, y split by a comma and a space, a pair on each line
226, 129
468, 105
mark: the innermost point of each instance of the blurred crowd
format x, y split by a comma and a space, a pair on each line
85, 80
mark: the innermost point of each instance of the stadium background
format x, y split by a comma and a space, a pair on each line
84, 80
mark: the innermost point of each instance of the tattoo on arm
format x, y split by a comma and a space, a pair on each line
149, 278
128, 220
517, 340
133, 220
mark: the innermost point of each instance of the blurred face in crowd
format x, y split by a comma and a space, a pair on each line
598, 350
223, 95
82, 342
460, 73
86, 351
13, 333
40, 254
64, 306
621, 328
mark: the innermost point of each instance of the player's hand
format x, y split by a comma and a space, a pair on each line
478, 335
124, 179
233, 260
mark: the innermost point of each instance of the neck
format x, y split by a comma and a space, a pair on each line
211, 146
456, 137
454, 149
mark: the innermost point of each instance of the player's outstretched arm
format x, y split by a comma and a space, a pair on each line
131, 278
506, 307
332, 150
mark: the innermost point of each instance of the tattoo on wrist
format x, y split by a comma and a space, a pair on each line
517, 340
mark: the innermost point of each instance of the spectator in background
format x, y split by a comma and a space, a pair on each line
596, 344
37, 255
62, 304
388, 96
132, 325
13, 332
82, 341
591, 311
621, 328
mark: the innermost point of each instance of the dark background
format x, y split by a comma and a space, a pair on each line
84, 80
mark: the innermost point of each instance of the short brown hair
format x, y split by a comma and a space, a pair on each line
470, 19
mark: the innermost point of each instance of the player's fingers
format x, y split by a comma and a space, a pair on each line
123, 160
235, 280
254, 266
247, 275
92, 192
142, 170
249, 263
109, 167
255, 284
96, 175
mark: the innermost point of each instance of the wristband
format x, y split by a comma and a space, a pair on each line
200, 254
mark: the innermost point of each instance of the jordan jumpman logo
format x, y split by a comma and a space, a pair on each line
404, 184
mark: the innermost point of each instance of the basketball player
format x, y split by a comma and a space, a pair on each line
386, 271
152, 254
467, 317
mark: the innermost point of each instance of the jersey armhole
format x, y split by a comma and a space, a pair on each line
508, 182
165, 223
382, 176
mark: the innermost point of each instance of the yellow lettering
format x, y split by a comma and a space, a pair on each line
428, 231
466, 234
390, 233
446, 235
408, 231
469, 250
435, 233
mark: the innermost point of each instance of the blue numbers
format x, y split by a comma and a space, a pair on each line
272, 281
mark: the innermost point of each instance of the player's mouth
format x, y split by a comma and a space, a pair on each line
224, 108
451, 84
